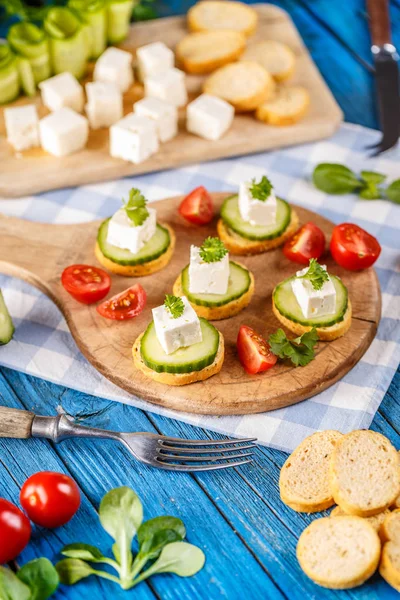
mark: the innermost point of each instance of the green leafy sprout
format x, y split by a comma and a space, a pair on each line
212, 250
135, 207
300, 350
36, 580
316, 274
174, 305
261, 190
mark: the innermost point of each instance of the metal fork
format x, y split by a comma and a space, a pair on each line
169, 453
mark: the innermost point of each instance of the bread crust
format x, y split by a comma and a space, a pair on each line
247, 17
179, 378
197, 63
269, 113
139, 270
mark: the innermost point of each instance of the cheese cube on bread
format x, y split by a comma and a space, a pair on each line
174, 333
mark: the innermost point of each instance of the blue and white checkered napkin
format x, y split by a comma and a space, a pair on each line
43, 346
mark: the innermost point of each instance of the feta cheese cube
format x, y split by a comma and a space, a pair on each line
133, 138
104, 106
314, 303
62, 90
153, 59
207, 278
122, 233
115, 66
256, 212
177, 333
209, 117
169, 85
22, 127
164, 114
63, 132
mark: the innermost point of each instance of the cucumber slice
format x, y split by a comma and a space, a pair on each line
185, 360
26, 76
9, 77
118, 20
239, 283
285, 301
30, 41
6, 324
154, 248
68, 40
231, 216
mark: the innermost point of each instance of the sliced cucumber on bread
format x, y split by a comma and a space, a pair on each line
6, 324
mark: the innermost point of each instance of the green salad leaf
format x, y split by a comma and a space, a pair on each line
333, 178
41, 577
393, 191
300, 350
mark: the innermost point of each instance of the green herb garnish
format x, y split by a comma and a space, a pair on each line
261, 190
316, 274
212, 250
135, 207
174, 305
299, 350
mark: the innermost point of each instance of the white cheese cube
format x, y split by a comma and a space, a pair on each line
209, 117
169, 85
104, 106
177, 333
164, 114
115, 66
207, 278
63, 132
153, 59
256, 212
22, 127
133, 138
122, 232
62, 90
314, 303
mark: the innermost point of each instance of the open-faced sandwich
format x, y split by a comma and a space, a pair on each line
256, 221
313, 298
178, 347
216, 287
131, 242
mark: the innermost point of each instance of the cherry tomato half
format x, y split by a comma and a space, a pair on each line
353, 248
197, 207
15, 531
50, 499
125, 305
254, 352
308, 242
85, 283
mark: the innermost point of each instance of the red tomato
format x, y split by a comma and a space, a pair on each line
197, 207
50, 499
125, 305
353, 248
15, 531
85, 283
308, 242
254, 352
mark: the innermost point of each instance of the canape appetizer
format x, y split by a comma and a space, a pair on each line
313, 298
131, 242
256, 221
178, 347
216, 287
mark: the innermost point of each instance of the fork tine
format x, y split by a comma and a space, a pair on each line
166, 440
162, 449
183, 458
187, 468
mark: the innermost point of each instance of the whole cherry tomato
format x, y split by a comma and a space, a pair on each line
126, 305
197, 207
354, 248
308, 242
50, 499
254, 352
85, 283
15, 531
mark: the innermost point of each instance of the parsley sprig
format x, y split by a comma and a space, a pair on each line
261, 190
174, 305
135, 207
299, 350
316, 274
212, 250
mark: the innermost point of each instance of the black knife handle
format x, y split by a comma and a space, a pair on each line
379, 21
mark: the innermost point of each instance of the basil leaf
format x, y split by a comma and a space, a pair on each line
156, 533
333, 178
373, 177
41, 577
393, 191
11, 588
72, 570
180, 558
82, 551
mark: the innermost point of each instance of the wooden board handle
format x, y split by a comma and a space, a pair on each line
15, 423
379, 21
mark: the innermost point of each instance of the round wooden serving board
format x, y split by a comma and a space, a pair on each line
38, 253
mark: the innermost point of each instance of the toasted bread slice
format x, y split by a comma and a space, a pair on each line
139, 270
389, 566
339, 552
376, 520
326, 334
304, 477
179, 378
288, 106
236, 244
205, 51
215, 15
243, 84
396, 503
364, 473
277, 58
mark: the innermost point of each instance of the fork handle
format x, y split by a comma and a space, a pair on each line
15, 423
379, 21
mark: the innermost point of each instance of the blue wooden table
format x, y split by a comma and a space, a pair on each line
248, 535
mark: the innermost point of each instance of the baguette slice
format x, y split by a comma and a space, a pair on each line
364, 473
215, 15
376, 521
205, 51
244, 84
277, 58
304, 478
389, 566
396, 503
287, 107
339, 552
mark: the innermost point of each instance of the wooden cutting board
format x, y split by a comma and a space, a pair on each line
38, 253
42, 171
